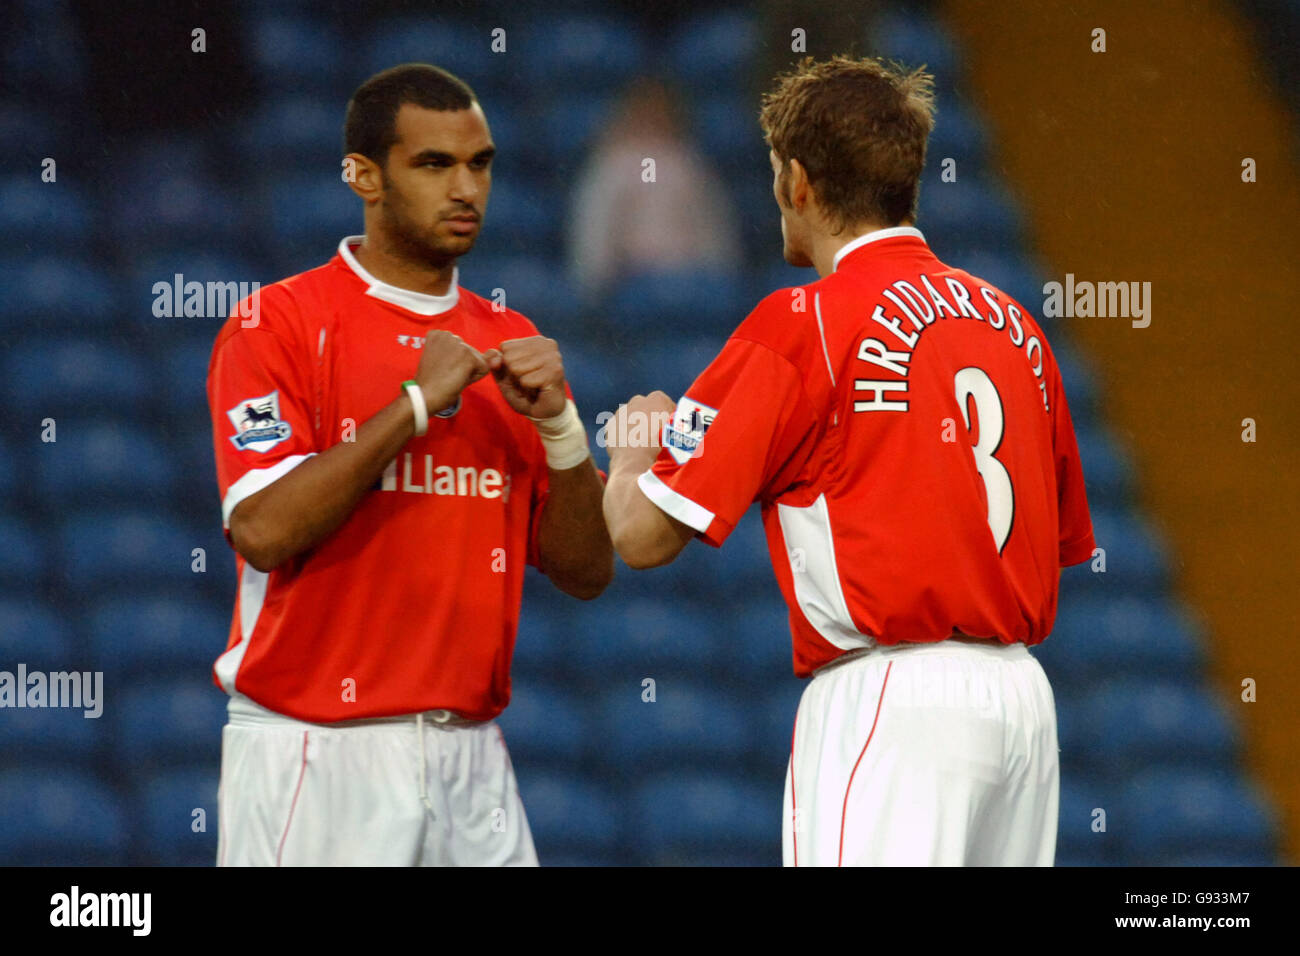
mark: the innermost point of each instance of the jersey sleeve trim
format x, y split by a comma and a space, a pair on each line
1077, 551
254, 481
674, 504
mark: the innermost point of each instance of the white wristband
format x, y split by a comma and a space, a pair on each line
421, 409
563, 437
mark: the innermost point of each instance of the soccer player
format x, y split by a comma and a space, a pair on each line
903, 425
391, 450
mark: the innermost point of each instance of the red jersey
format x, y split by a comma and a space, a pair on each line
904, 427
412, 603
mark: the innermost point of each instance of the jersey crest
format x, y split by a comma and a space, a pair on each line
682, 435
258, 425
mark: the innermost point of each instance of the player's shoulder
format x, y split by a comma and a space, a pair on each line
278, 307
779, 317
785, 321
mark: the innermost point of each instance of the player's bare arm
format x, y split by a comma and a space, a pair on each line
574, 546
643, 535
298, 510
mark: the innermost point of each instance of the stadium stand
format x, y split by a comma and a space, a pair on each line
690, 775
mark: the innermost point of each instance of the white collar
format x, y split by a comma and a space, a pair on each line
419, 302
892, 232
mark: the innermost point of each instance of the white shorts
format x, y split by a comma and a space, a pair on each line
358, 793
924, 755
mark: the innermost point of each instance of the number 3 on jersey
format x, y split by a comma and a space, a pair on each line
975, 383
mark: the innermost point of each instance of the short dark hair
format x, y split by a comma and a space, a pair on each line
859, 127
370, 127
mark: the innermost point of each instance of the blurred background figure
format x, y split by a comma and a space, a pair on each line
647, 200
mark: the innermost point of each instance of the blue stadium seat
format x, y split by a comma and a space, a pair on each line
105, 460
1229, 856
1108, 474
60, 818
12, 464
170, 723
198, 462
24, 552
33, 133
750, 180
161, 209
462, 48
1079, 381
48, 291
529, 285
726, 127
54, 378
644, 637
703, 814
779, 708
186, 369
47, 58
705, 574
1131, 722
311, 208
668, 365
286, 131
32, 632
958, 134
569, 126
44, 214
169, 830
761, 643
714, 49
544, 638
544, 723
780, 275
127, 547
569, 814
593, 375
749, 571
579, 52
1095, 637
914, 38
686, 723
1165, 814
298, 52
1136, 558
1076, 840
157, 635
58, 737
966, 212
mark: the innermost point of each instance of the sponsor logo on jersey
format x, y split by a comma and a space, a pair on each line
682, 435
257, 422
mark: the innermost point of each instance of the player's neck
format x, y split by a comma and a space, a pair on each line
386, 265
825, 245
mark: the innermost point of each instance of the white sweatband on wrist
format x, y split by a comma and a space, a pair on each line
563, 437
421, 409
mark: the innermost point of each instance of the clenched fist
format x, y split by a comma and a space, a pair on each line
635, 429
530, 374
447, 365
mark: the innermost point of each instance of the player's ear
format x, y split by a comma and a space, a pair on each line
798, 184
364, 176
